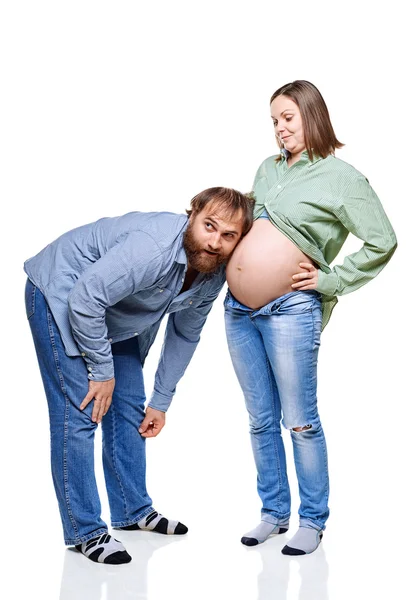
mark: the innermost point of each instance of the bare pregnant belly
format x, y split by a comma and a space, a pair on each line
261, 267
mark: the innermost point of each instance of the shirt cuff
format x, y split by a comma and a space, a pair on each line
327, 283
100, 371
160, 401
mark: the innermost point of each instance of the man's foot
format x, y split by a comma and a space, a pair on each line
262, 532
104, 549
305, 541
156, 522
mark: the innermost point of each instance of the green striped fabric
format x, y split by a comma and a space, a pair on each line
316, 204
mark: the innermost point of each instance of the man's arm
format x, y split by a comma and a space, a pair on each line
131, 265
128, 267
181, 338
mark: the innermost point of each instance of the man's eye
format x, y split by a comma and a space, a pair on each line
208, 225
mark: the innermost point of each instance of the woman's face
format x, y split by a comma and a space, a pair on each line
288, 124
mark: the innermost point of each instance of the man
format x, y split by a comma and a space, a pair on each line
95, 298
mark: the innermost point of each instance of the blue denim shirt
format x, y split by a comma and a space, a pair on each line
117, 278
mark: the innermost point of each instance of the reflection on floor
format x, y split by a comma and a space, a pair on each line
84, 580
279, 578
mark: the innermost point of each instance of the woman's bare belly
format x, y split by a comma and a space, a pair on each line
261, 267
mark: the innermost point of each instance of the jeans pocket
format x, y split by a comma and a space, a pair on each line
30, 290
226, 299
295, 303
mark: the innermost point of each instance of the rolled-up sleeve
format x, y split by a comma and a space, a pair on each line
131, 265
181, 338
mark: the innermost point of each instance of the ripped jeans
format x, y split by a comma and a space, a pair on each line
274, 352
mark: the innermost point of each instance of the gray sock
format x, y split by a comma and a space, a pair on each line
262, 532
104, 549
305, 541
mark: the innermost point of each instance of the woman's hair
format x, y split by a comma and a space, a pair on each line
228, 200
319, 136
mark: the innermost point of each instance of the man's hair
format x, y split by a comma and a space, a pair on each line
230, 201
319, 136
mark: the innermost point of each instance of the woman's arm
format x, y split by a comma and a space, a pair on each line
362, 214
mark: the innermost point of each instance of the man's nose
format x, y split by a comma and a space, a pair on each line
215, 241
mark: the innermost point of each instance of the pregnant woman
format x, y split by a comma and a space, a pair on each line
281, 295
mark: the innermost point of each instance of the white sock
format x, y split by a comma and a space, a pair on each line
262, 532
305, 541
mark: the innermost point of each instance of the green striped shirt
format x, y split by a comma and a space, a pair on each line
316, 204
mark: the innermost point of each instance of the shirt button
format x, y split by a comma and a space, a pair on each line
191, 302
279, 187
160, 291
91, 375
83, 354
135, 333
89, 368
110, 340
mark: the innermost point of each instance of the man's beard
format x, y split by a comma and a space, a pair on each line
198, 258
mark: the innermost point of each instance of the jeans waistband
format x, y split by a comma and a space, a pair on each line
231, 302
263, 215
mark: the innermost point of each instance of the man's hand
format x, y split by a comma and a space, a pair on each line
307, 280
153, 422
102, 393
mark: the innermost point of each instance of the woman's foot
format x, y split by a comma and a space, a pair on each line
305, 541
104, 549
262, 532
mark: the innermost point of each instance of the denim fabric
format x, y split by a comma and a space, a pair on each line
263, 215
72, 431
274, 352
117, 278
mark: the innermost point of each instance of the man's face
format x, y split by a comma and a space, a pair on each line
211, 237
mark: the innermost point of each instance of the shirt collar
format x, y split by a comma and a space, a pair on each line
181, 257
304, 157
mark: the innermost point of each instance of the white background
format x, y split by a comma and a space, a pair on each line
108, 107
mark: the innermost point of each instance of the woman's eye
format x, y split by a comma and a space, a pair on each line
288, 118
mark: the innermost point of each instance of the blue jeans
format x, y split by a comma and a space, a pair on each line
274, 352
72, 431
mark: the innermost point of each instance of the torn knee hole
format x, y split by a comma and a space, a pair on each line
305, 428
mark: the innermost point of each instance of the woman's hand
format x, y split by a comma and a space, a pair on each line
102, 393
306, 280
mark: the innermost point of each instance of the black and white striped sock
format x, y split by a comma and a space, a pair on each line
157, 522
104, 549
